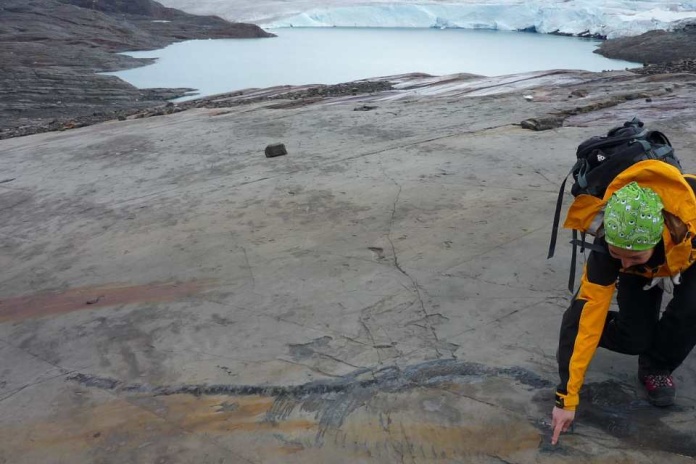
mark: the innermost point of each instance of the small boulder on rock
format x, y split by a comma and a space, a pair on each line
578, 93
275, 149
542, 124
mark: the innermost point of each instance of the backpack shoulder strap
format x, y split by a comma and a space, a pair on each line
658, 137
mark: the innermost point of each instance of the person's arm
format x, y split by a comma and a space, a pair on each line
581, 330
583, 324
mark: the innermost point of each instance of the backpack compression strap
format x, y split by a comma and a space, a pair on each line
658, 153
557, 214
583, 245
573, 260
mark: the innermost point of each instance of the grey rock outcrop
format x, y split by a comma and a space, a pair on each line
654, 47
51, 49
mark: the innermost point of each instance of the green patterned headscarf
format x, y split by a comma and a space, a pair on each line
633, 218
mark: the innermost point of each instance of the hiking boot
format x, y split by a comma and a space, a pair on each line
660, 388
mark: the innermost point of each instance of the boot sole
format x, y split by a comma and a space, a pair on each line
661, 402
658, 402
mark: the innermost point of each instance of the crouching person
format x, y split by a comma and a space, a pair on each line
643, 228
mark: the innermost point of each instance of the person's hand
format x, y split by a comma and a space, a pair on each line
561, 420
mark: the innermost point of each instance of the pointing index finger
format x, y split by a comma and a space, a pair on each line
556, 432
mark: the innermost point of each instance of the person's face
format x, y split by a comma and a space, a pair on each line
630, 257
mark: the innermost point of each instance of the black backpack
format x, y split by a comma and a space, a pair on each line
599, 160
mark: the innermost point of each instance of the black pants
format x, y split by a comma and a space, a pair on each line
662, 343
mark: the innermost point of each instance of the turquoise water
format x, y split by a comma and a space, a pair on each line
334, 55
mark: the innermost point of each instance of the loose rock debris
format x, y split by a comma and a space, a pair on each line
542, 124
276, 149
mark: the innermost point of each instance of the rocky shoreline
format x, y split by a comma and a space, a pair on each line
48, 77
51, 50
300, 95
654, 47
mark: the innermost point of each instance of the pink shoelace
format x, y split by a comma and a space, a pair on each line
657, 381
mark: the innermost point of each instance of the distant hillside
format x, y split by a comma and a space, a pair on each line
50, 49
654, 47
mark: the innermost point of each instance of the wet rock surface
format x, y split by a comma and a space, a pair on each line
51, 49
613, 407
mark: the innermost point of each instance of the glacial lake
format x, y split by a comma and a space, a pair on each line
334, 55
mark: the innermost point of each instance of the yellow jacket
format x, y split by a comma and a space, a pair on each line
583, 323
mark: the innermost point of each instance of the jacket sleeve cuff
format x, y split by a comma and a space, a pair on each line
567, 401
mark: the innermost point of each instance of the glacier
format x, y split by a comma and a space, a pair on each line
610, 19
573, 18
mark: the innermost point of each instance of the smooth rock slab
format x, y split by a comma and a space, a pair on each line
380, 296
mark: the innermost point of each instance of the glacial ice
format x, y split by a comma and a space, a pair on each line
610, 18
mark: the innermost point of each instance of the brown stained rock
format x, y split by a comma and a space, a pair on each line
24, 307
